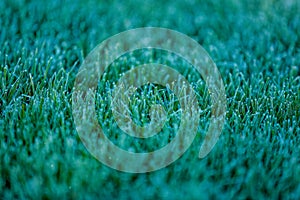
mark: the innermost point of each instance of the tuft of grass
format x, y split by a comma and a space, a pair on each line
255, 45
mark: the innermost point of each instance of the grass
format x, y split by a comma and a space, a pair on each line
256, 46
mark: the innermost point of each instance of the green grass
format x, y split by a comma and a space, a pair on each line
256, 46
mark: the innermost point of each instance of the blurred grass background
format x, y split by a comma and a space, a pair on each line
256, 47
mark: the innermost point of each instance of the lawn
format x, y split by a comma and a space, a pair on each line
256, 47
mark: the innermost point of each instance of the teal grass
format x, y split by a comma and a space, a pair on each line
256, 46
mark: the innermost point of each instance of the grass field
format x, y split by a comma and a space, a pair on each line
256, 46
